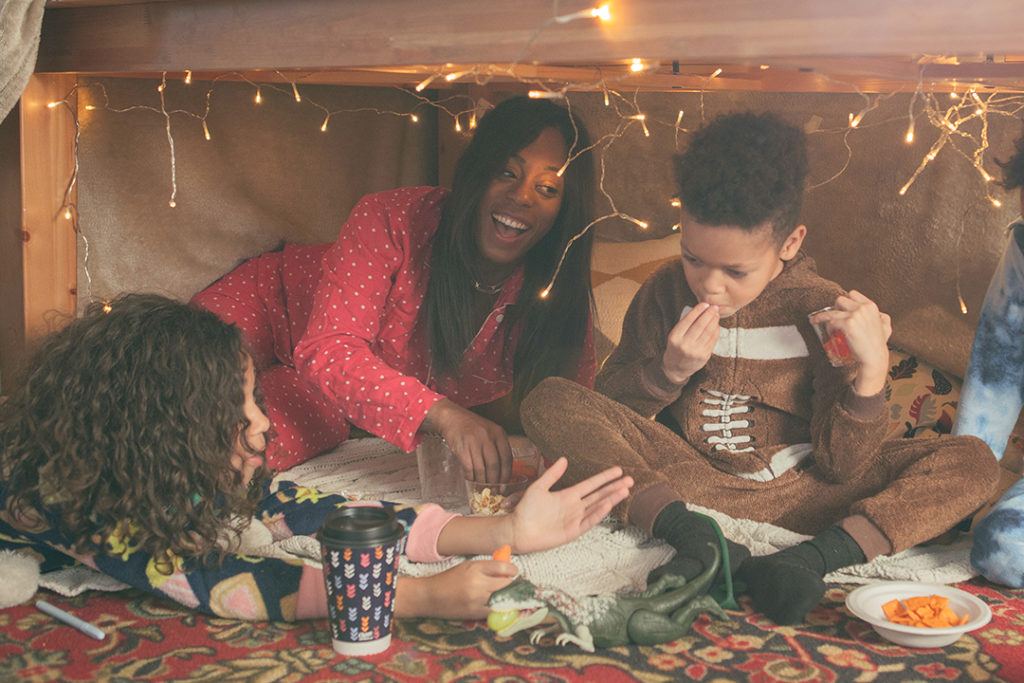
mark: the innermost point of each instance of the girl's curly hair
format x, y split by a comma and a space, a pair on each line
746, 170
125, 424
1013, 168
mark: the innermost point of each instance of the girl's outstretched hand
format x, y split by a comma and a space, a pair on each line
545, 519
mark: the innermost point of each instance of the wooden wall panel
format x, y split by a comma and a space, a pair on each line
49, 257
12, 321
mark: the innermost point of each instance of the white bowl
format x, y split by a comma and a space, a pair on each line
866, 602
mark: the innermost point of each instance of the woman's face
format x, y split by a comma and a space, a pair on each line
522, 202
254, 432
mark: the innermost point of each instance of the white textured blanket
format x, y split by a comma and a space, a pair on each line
607, 559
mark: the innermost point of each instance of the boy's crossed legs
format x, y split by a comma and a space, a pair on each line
914, 491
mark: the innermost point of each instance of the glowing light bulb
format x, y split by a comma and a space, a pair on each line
259, 97
160, 88
323, 128
107, 308
855, 119
206, 131
995, 202
604, 12
679, 118
545, 292
295, 91
458, 126
909, 137
455, 76
51, 105
472, 121
985, 175
963, 304
675, 202
606, 98
546, 95
765, 67
67, 214
715, 73
172, 203
188, 76
415, 119
677, 227
425, 82
636, 65
90, 107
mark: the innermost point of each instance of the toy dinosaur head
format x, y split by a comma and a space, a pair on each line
515, 608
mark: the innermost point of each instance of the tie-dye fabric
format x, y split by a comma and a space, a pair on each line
990, 404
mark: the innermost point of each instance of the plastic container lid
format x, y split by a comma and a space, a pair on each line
360, 526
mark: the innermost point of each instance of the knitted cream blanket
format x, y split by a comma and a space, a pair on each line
607, 559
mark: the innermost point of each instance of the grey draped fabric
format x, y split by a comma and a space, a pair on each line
20, 25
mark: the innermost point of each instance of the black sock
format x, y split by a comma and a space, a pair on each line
787, 585
690, 533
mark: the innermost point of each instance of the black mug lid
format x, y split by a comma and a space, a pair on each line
361, 526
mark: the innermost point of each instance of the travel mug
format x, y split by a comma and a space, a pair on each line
361, 547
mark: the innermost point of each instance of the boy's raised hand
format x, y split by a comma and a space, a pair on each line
690, 343
867, 333
545, 519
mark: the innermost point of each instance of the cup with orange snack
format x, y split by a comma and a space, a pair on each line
833, 341
498, 498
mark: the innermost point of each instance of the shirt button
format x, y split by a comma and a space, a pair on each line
499, 317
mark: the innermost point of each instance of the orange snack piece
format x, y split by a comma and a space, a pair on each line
503, 554
932, 611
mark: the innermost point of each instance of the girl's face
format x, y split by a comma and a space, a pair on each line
254, 432
521, 203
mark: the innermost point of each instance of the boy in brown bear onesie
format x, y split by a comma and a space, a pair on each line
751, 418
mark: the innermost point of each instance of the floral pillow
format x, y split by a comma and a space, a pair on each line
921, 400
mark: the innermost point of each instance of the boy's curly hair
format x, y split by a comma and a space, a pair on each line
125, 424
744, 170
1013, 168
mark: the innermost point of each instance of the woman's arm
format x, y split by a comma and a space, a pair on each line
337, 350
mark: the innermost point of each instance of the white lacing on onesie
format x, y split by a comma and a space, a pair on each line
725, 406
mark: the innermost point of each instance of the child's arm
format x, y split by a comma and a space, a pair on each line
848, 422
634, 373
543, 518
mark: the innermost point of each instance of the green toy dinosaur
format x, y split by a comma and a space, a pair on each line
661, 613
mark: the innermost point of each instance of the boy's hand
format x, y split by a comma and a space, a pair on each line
546, 519
867, 333
690, 343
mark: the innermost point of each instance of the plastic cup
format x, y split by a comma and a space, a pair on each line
492, 498
361, 547
837, 350
441, 474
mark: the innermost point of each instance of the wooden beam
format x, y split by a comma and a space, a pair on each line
49, 254
12, 320
327, 34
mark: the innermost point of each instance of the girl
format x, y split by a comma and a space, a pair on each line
427, 314
135, 446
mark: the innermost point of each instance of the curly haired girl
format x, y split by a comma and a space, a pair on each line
135, 443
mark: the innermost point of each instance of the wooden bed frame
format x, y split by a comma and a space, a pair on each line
810, 45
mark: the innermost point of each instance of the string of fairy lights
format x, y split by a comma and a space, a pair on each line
961, 118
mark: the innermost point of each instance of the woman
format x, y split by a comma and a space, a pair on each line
135, 446
427, 314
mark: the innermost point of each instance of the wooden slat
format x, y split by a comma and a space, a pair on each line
49, 255
328, 34
12, 322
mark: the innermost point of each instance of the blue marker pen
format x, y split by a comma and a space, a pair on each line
83, 626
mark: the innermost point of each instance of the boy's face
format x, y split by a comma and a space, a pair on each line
727, 266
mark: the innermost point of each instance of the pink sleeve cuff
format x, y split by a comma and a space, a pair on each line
422, 544
312, 601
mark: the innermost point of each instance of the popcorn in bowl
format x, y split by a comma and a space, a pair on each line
488, 499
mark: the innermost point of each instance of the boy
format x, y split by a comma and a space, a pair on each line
752, 419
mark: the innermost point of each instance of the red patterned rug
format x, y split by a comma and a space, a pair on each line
152, 639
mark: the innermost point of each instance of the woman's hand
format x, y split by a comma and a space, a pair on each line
481, 446
545, 519
690, 343
461, 592
867, 332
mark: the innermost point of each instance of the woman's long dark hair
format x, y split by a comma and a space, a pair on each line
125, 425
553, 329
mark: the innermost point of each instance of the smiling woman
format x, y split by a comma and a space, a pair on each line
425, 314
